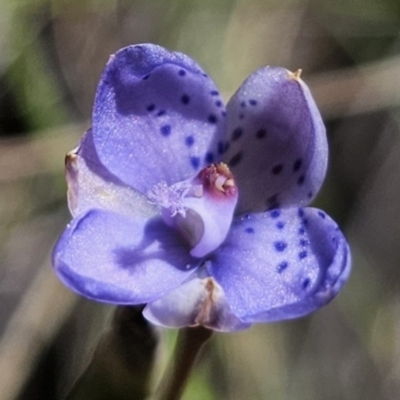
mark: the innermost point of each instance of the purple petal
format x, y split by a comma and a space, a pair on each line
199, 301
90, 186
281, 264
117, 259
155, 117
278, 148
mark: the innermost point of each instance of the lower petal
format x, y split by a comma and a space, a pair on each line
198, 301
116, 259
281, 264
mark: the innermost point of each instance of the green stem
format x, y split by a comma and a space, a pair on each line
189, 343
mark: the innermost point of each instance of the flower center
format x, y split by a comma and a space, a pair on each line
200, 208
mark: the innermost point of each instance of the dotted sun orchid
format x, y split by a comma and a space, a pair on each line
199, 210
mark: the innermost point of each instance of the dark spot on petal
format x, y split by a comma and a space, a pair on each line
273, 202
249, 230
209, 158
146, 77
261, 134
223, 113
300, 181
306, 283
309, 195
275, 213
165, 130
189, 141
212, 119
302, 255
247, 216
214, 93
280, 246
195, 162
243, 104
182, 72
303, 242
205, 75
277, 169
302, 231
322, 214
235, 160
253, 102
300, 212
185, 99
218, 103
280, 224
151, 107
237, 133
282, 266
297, 164
222, 147
160, 113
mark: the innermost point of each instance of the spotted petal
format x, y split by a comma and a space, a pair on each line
281, 264
157, 117
118, 259
277, 147
199, 301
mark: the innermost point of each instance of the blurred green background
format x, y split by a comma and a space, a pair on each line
51, 56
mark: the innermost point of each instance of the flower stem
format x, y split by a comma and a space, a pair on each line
189, 343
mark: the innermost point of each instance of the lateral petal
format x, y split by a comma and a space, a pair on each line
91, 185
281, 264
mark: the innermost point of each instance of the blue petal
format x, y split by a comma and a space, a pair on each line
90, 186
281, 264
155, 117
117, 259
278, 147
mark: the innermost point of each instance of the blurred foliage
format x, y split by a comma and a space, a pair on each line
52, 53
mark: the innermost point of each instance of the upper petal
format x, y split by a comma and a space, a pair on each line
118, 259
91, 185
277, 148
281, 264
157, 117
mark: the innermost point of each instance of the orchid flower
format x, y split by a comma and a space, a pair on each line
197, 210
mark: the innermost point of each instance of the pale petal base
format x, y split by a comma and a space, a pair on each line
199, 301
